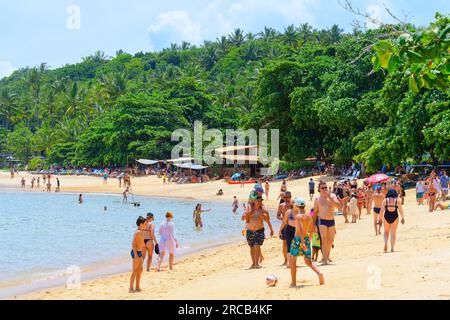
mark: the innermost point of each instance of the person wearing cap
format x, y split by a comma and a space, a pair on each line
378, 199
301, 243
324, 208
282, 209
149, 239
255, 216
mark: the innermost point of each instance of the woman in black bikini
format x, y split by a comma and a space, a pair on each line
431, 193
390, 210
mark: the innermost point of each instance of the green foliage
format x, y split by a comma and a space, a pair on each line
20, 142
36, 163
316, 86
422, 56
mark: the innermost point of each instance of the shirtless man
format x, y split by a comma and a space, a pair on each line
304, 228
282, 208
324, 207
255, 217
378, 199
138, 246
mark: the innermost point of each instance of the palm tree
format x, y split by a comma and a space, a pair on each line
290, 36
237, 37
222, 44
115, 84
74, 97
34, 80
268, 33
185, 46
306, 32
209, 57
335, 33
251, 52
8, 107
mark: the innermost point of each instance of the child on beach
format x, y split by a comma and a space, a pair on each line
353, 207
138, 246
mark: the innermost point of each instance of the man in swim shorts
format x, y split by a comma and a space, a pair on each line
324, 208
300, 246
378, 199
282, 209
255, 216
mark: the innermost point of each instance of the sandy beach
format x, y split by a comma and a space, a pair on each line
419, 269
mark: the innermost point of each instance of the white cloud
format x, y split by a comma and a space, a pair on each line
220, 17
176, 26
6, 68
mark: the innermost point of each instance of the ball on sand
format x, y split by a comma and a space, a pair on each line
271, 280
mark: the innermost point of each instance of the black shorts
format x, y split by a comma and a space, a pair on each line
290, 234
255, 238
311, 192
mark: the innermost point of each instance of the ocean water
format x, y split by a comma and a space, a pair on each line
42, 235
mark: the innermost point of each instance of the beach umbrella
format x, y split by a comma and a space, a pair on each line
377, 178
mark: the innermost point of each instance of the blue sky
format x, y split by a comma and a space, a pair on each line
35, 31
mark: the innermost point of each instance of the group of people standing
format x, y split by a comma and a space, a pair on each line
36, 183
145, 243
433, 190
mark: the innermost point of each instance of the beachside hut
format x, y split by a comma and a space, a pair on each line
245, 156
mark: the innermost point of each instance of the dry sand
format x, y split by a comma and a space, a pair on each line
419, 269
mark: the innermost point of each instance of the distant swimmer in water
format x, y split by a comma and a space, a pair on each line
197, 216
219, 193
80, 199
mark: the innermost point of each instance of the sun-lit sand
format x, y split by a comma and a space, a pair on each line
420, 269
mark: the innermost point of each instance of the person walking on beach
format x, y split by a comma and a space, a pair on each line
283, 186
235, 204
80, 199
125, 195
137, 248
49, 185
420, 191
444, 179
266, 189
255, 217
120, 177
22, 183
282, 209
353, 207
197, 216
58, 185
167, 241
149, 239
38, 181
390, 210
288, 227
32, 182
105, 178
301, 243
361, 201
431, 195
369, 198
311, 186
324, 207
12, 173
378, 199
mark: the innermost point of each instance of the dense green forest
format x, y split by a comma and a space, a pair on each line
360, 96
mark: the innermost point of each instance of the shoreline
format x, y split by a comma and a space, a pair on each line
95, 272
417, 270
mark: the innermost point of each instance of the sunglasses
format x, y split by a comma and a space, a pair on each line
324, 188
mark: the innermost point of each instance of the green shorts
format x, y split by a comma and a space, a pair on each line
297, 250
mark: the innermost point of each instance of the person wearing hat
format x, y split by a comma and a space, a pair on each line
301, 243
378, 199
255, 217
